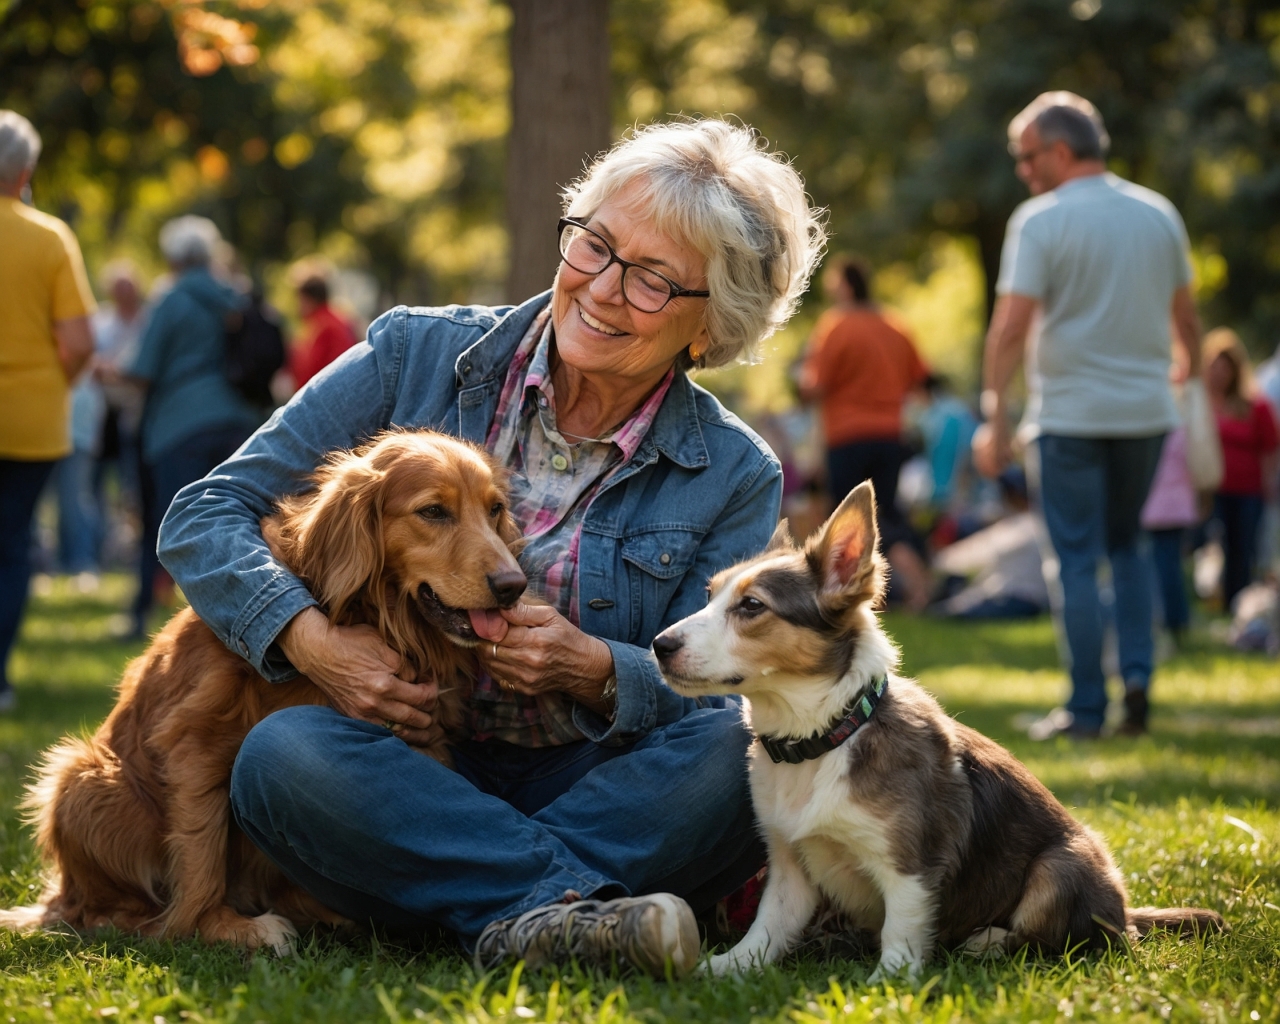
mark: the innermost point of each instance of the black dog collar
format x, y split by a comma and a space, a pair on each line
855, 715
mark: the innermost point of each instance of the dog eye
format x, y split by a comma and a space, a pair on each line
433, 513
497, 510
751, 606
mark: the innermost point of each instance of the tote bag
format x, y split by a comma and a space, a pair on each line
1204, 448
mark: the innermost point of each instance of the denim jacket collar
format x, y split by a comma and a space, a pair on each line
676, 431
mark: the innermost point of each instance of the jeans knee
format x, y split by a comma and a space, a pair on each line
286, 755
722, 738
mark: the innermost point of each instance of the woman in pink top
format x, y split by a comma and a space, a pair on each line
1169, 511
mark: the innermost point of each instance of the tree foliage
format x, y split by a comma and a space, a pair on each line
374, 130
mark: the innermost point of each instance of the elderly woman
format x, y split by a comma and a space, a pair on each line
192, 417
591, 808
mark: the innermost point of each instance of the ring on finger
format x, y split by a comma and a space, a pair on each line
388, 724
495, 650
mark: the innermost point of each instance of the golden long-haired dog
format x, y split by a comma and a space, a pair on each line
404, 535
918, 828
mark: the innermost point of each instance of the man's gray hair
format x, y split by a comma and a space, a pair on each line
1063, 117
716, 188
189, 241
19, 147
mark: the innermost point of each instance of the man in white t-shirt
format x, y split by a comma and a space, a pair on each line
1093, 270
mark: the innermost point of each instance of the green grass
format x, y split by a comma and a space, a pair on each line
1191, 812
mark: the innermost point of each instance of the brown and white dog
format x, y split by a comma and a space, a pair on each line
409, 536
915, 826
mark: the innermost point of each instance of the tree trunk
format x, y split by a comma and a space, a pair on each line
559, 120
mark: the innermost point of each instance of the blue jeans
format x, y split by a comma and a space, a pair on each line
188, 460
1240, 515
80, 519
1091, 491
378, 831
1166, 557
20, 486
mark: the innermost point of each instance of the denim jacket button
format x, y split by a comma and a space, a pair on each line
664, 558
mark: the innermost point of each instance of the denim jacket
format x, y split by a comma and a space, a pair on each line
701, 493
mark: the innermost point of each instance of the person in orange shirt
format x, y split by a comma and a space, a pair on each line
324, 335
859, 369
45, 341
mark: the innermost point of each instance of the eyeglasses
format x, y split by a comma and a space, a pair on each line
588, 253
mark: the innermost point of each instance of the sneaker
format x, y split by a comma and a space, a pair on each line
1136, 709
649, 932
1061, 722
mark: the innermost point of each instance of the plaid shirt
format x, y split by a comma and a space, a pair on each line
552, 484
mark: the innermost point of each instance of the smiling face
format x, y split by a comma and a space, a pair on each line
597, 331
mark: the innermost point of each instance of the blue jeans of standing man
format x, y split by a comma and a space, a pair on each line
377, 831
1091, 491
20, 486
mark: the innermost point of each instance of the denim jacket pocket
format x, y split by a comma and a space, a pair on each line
657, 562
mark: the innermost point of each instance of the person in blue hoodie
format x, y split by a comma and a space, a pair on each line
193, 418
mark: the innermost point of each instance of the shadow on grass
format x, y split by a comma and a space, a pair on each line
931, 643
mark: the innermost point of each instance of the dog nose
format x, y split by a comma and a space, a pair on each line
507, 586
666, 644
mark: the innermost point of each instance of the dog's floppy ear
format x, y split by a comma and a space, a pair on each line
781, 539
845, 552
334, 534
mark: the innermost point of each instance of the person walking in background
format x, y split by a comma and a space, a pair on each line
118, 331
859, 369
193, 418
1170, 510
324, 335
1091, 270
45, 341
1247, 428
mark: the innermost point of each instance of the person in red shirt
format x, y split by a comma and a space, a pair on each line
860, 368
1250, 439
324, 335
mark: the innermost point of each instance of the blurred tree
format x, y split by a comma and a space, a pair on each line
374, 130
560, 119
144, 116
896, 112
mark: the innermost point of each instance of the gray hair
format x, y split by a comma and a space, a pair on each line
715, 187
19, 147
1064, 117
189, 241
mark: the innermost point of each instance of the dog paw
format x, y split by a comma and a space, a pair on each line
276, 932
987, 940
721, 965
894, 968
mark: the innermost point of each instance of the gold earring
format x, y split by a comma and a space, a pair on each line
695, 353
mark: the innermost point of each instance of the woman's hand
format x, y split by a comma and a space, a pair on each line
534, 649
362, 677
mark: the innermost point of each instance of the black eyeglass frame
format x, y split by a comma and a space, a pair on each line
676, 291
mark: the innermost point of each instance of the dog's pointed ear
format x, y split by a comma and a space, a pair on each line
781, 539
845, 552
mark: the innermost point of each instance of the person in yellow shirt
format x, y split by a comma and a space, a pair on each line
45, 341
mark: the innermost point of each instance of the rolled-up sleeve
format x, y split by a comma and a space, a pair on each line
211, 541
742, 530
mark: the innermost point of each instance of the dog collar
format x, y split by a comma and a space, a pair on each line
855, 716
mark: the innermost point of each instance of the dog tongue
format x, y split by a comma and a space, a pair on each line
488, 623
